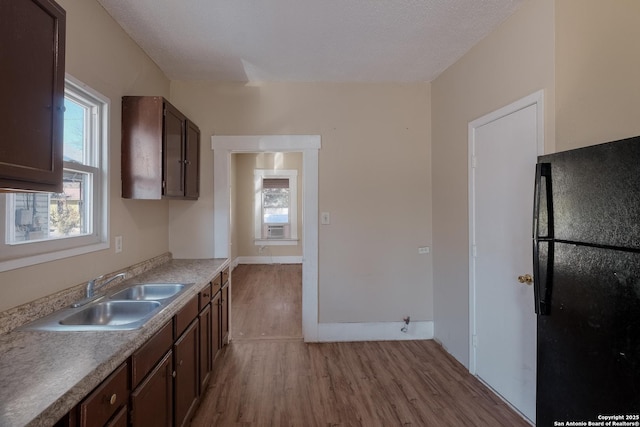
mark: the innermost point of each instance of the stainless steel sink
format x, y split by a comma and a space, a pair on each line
112, 313
123, 309
149, 292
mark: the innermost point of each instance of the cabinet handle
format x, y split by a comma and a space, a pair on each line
113, 399
205, 295
187, 162
173, 374
180, 364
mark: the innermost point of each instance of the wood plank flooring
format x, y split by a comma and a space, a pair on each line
266, 301
271, 380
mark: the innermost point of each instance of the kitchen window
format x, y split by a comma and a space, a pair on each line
276, 217
41, 227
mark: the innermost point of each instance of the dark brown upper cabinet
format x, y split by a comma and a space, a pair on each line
160, 150
192, 161
32, 100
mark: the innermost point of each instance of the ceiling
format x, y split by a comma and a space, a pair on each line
307, 40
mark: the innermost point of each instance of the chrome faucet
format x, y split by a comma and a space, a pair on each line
91, 285
92, 288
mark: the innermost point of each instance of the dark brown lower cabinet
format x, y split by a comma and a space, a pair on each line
205, 346
224, 317
119, 420
187, 382
167, 375
216, 336
152, 401
107, 400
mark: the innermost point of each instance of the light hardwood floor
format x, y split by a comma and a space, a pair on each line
278, 380
266, 301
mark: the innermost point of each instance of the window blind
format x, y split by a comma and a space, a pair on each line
275, 183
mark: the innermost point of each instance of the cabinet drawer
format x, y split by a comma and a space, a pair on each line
225, 276
186, 315
205, 296
105, 400
217, 283
145, 358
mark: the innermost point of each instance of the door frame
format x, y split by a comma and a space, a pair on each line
537, 99
308, 145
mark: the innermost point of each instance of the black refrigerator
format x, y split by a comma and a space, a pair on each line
586, 245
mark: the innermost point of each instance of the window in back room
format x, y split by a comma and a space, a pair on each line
275, 206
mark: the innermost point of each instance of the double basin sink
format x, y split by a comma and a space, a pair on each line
123, 309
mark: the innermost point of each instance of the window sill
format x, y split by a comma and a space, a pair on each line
27, 261
276, 242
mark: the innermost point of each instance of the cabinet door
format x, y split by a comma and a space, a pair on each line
173, 148
186, 368
205, 346
32, 100
216, 335
224, 317
141, 147
192, 161
119, 420
152, 401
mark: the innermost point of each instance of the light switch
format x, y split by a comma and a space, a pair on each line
118, 244
423, 250
325, 218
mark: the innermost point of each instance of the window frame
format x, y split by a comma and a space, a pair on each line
292, 176
23, 254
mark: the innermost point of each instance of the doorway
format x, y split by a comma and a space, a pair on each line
503, 149
308, 145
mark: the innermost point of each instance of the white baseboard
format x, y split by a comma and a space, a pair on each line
267, 260
375, 331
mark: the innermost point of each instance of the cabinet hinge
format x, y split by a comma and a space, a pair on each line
164, 184
474, 162
474, 251
474, 340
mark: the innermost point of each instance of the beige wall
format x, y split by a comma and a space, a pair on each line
597, 71
101, 55
243, 218
514, 61
375, 175
374, 179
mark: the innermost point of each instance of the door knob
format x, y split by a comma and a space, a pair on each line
527, 278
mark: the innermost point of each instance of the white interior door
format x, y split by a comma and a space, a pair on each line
504, 147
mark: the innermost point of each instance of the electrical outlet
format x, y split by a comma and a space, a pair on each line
118, 244
325, 218
423, 250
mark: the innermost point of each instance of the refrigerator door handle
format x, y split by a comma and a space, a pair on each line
543, 276
542, 271
543, 173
